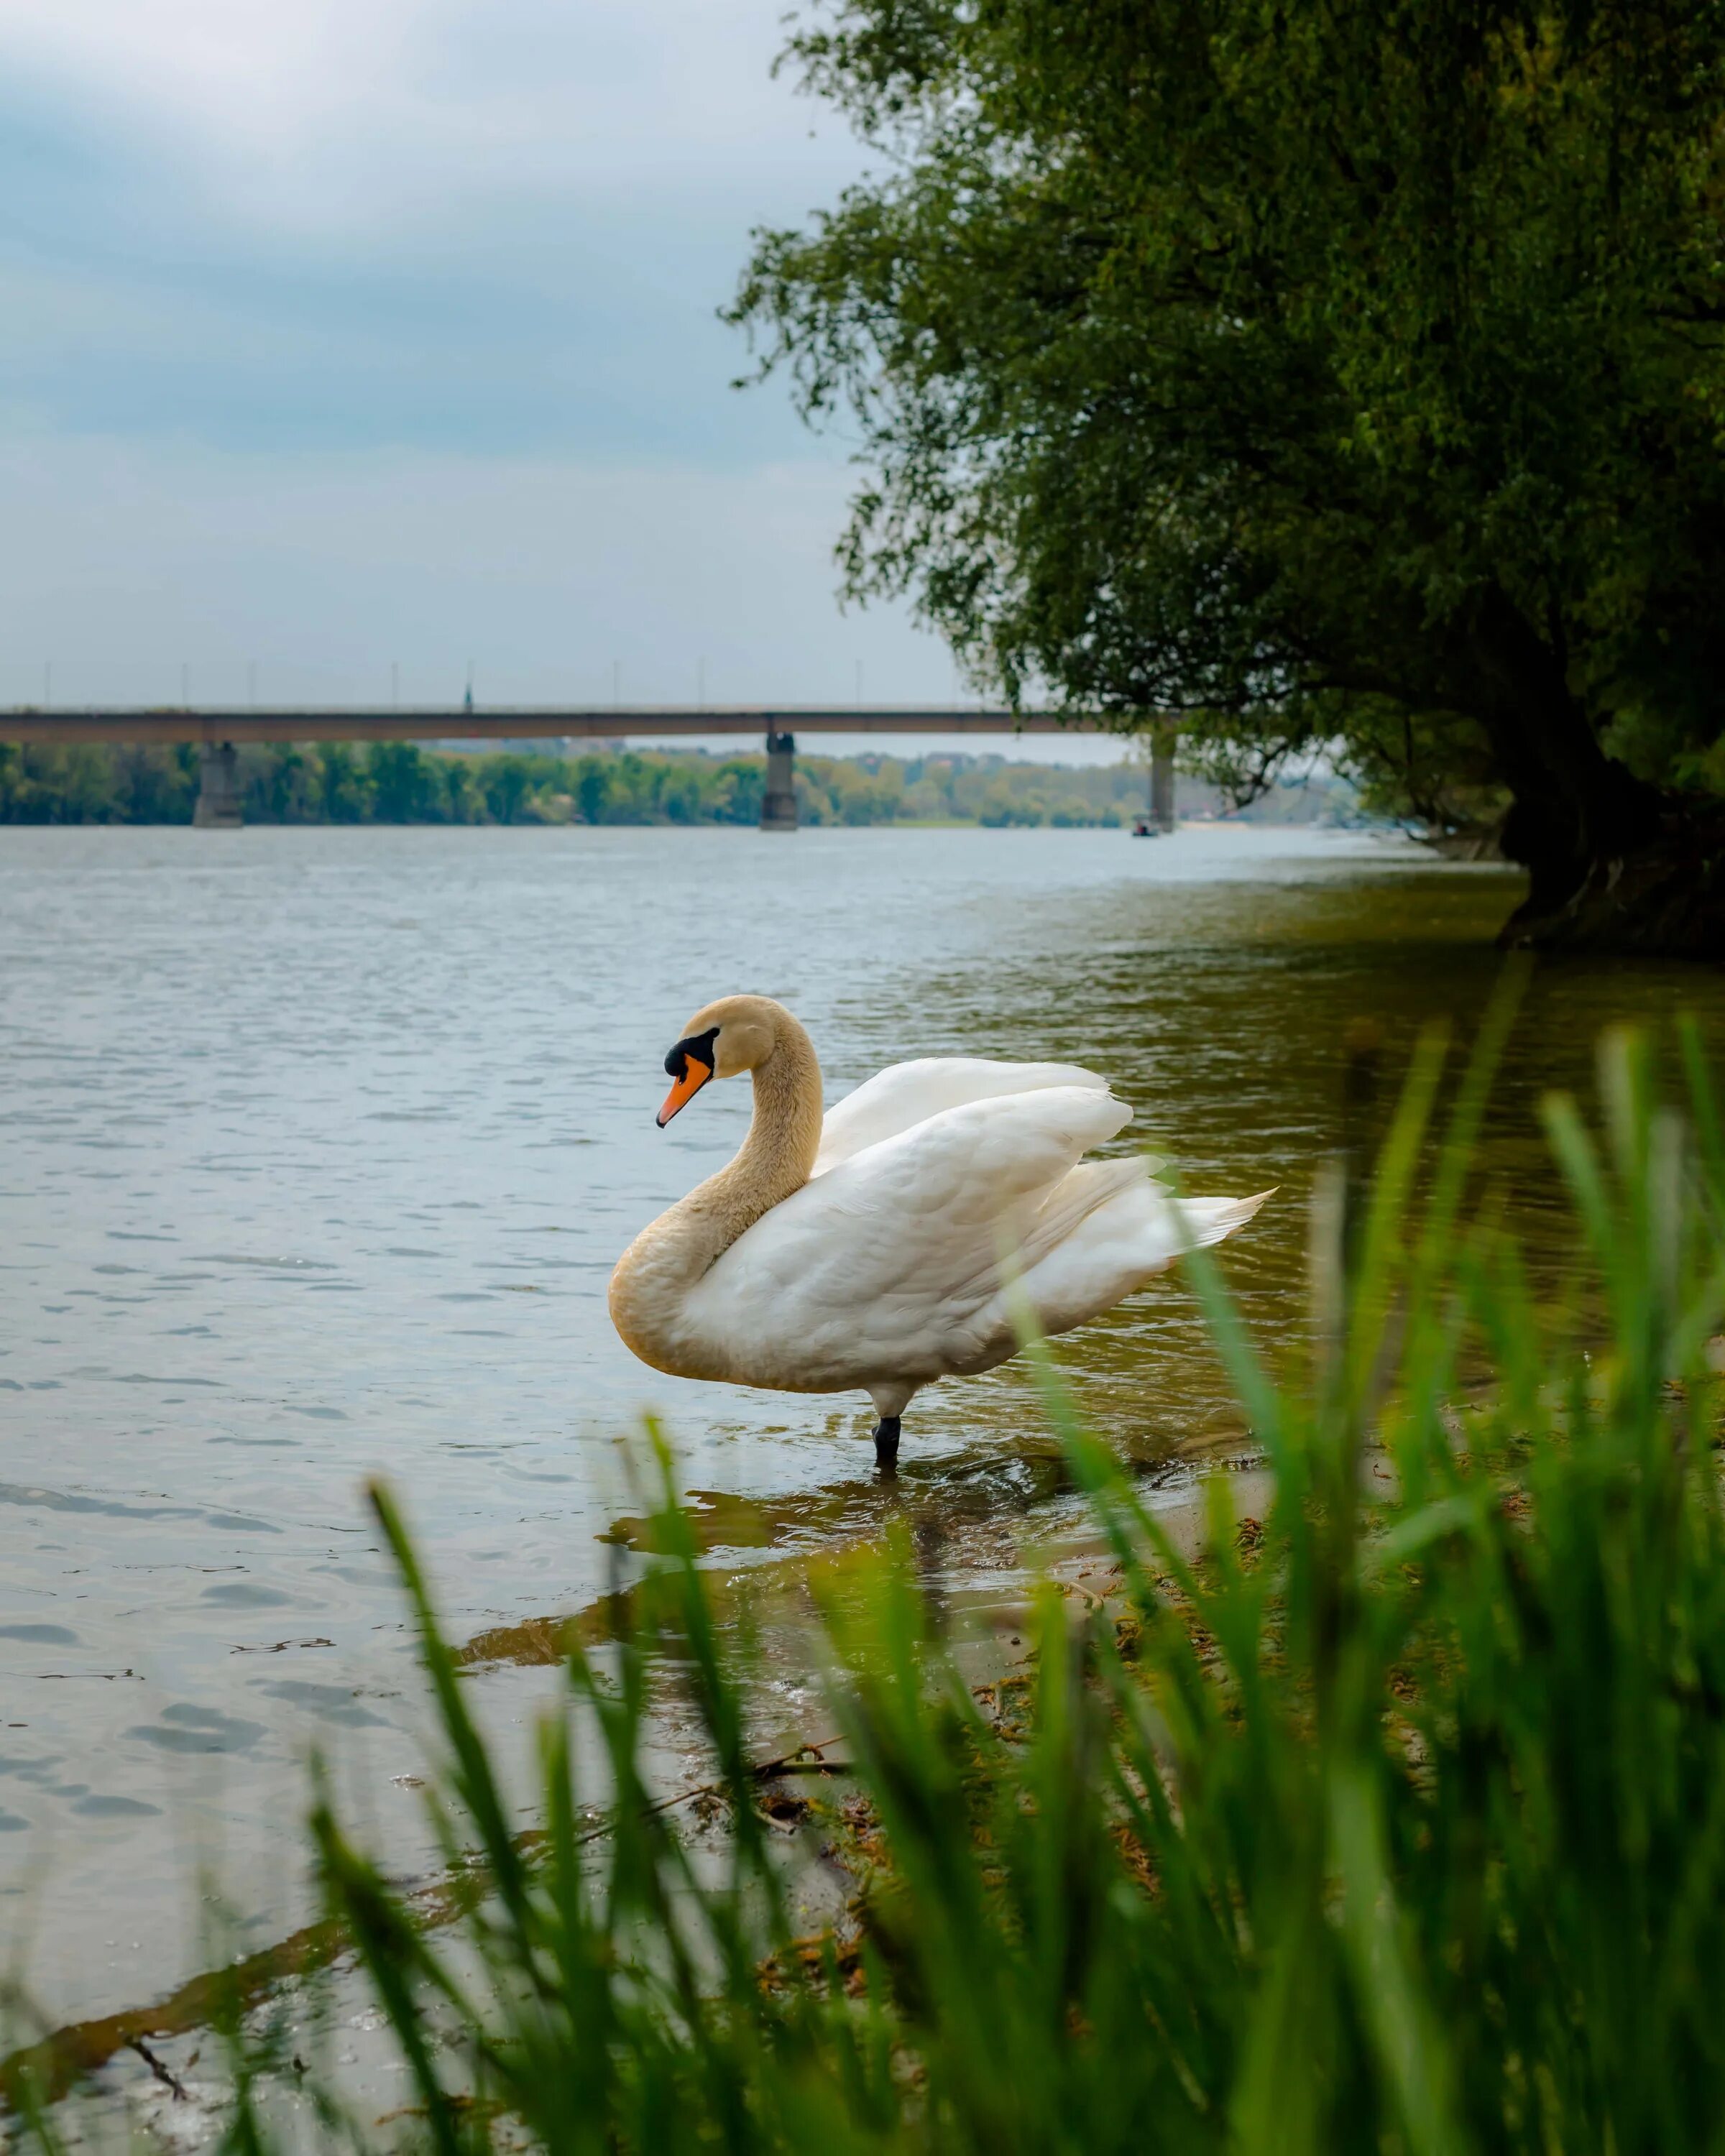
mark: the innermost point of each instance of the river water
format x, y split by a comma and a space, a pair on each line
319, 1145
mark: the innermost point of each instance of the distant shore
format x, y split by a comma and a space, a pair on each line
401, 782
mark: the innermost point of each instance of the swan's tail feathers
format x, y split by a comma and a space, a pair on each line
1114, 1231
1213, 1219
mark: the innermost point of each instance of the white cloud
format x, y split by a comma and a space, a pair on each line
346, 119
463, 222
352, 331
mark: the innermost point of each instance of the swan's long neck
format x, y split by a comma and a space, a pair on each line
774, 1158
671, 1255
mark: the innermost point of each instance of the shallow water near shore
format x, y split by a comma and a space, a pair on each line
319, 1145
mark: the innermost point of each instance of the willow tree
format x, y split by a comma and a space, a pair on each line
1328, 374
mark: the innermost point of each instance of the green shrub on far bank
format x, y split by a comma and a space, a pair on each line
97, 783
401, 783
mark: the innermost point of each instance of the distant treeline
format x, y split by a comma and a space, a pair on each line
399, 783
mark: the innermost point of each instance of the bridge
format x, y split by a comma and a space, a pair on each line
218, 733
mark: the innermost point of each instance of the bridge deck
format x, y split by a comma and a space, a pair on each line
584, 723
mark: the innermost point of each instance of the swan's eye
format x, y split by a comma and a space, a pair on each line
700, 1046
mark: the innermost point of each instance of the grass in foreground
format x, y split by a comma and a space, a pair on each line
1399, 1826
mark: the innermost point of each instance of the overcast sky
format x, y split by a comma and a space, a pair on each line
344, 335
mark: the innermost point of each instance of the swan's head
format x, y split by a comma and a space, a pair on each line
735, 1034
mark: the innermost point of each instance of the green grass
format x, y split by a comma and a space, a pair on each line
1398, 1825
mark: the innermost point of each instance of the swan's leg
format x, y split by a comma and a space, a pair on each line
891, 1397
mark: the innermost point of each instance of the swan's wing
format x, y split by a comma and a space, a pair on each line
907, 1094
880, 1266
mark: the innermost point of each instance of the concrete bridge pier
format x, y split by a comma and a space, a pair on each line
778, 803
218, 804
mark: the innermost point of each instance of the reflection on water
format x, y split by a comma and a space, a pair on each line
319, 1146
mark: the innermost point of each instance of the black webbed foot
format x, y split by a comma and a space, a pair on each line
886, 1444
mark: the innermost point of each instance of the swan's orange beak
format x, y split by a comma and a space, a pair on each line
695, 1076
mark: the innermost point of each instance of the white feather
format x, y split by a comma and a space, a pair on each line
905, 1094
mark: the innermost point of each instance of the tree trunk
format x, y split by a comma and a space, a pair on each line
1663, 898
1612, 864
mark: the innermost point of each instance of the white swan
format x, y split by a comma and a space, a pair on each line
870, 1249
